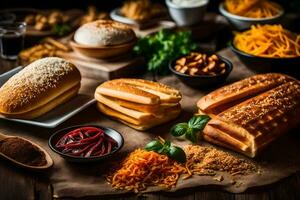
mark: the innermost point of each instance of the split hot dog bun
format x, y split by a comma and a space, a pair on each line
38, 88
249, 114
140, 104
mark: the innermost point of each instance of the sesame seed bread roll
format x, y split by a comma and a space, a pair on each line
256, 120
104, 33
34, 88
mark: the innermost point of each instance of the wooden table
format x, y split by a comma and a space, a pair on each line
18, 184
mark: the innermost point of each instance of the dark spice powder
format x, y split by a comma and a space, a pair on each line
22, 151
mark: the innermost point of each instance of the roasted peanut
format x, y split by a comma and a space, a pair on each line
200, 64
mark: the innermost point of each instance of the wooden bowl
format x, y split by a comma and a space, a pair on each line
102, 51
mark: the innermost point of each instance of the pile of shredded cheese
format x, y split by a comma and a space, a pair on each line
146, 168
268, 41
253, 8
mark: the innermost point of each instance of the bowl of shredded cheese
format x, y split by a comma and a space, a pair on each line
268, 48
241, 14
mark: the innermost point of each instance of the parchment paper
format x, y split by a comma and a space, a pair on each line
279, 160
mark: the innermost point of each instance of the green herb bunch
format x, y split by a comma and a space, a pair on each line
191, 129
61, 29
167, 148
163, 46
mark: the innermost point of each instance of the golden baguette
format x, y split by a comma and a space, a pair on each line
154, 109
237, 92
166, 93
139, 91
170, 114
126, 111
251, 125
126, 92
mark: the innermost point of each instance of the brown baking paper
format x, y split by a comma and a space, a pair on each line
279, 160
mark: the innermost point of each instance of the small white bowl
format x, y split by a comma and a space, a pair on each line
187, 15
242, 23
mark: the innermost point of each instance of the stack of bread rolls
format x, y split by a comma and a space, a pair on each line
138, 103
251, 113
38, 88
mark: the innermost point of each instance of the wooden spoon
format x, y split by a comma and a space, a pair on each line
49, 161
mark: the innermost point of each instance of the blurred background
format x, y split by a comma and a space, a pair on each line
290, 5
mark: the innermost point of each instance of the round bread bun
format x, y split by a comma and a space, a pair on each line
103, 33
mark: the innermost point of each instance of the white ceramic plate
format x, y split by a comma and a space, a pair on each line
57, 115
117, 16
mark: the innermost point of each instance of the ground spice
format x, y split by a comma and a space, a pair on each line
22, 151
207, 161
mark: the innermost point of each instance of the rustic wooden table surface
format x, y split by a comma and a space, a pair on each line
18, 184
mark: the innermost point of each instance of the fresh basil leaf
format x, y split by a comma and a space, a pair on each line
177, 154
198, 122
154, 145
192, 135
179, 129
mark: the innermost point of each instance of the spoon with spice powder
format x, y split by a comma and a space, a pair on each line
24, 153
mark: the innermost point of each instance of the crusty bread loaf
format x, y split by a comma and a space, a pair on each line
38, 84
103, 33
254, 122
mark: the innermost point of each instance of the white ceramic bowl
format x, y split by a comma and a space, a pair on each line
187, 15
242, 23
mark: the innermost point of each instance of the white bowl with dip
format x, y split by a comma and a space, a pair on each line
187, 12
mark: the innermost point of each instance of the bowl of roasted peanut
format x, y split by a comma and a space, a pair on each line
201, 70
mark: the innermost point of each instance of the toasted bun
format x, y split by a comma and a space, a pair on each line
103, 33
139, 91
38, 84
155, 109
126, 111
166, 93
169, 114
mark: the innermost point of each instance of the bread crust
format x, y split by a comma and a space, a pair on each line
237, 92
170, 113
48, 106
252, 124
139, 91
37, 84
126, 111
140, 104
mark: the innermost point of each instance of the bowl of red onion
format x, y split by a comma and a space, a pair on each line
86, 143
